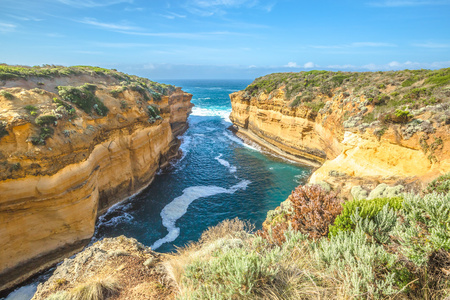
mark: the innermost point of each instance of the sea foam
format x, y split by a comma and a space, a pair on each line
212, 111
223, 162
178, 207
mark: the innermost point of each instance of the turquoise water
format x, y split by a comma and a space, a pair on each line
219, 177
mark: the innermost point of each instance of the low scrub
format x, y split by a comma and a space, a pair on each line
83, 97
7, 95
387, 248
367, 209
439, 185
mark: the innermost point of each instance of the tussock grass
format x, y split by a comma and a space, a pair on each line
96, 289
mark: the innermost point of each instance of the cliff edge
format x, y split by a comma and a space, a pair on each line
359, 129
73, 142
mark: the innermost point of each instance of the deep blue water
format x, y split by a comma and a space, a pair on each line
218, 178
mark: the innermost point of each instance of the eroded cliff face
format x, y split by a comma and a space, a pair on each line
52, 190
267, 119
347, 155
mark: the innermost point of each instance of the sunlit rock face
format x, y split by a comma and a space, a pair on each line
346, 154
52, 192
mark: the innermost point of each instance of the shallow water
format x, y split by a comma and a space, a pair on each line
218, 177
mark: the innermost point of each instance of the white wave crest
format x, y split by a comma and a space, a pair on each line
178, 207
116, 214
225, 163
218, 111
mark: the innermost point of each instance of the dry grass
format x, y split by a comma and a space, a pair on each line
97, 289
211, 239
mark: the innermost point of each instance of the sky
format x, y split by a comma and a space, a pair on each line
226, 39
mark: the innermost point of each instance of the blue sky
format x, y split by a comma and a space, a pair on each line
226, 38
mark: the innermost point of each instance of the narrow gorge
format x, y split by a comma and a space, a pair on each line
75, 141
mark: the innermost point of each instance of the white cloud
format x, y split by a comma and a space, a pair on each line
7, 27
309, 65
92, 3
111, 26
292, 64
401, 3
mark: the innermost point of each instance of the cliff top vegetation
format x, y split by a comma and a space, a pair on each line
405, 89
8, 72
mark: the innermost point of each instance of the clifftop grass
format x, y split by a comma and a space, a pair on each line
8, 72
414, 88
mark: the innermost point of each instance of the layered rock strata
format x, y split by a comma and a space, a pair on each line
52, 192
347, 153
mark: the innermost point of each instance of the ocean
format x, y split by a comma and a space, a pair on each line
218, 177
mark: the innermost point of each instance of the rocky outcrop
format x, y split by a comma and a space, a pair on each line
120, 267
328, 131
53, 188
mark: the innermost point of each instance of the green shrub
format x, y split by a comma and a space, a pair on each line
153, 110
439, 77
315, 106
363, 267
45, 120
401, 116
7, 95
367, 209
439, 185
3, 130
45, 133
84, 98
425, 226
409, 81
379, 227
32, 110
69, 108
231, 274
339, 79
156, 96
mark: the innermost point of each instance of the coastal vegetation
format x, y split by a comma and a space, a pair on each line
389, 248
393, 94
155, 89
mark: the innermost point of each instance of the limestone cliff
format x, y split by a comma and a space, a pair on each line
67, 156
360, 128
